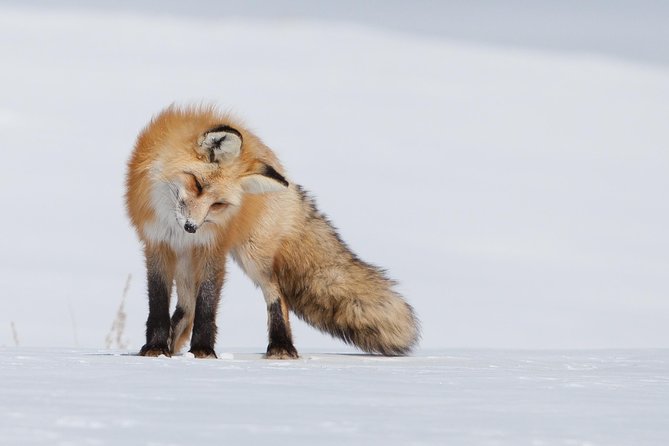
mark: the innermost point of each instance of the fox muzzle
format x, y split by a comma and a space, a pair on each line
190, 227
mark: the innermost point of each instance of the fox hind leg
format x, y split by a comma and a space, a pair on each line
182, 325
184, 313
278, 326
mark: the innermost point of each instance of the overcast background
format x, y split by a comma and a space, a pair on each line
506, 162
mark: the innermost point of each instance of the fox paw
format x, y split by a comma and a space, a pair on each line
281, 352
155, 350
203, 352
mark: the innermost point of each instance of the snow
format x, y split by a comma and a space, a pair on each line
481, 397
514, 186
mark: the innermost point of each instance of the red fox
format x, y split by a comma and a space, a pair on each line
199, 187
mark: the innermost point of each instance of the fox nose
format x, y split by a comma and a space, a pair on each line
190, 227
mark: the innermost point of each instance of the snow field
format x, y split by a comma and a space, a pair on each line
477, 397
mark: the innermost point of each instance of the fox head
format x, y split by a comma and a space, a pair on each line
201, 178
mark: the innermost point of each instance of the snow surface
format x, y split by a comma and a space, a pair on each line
455, 397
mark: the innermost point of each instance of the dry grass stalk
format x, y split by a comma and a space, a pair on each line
115, 336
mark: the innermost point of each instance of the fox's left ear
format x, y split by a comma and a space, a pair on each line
221, 143
267, 179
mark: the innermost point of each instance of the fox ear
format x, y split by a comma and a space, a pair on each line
266, 180
221, 143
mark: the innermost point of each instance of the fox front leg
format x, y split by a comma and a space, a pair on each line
204, 326
160, 274
278, 326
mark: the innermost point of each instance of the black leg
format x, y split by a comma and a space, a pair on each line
204, 327
280, 338
158, 323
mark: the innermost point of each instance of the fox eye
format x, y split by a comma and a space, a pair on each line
198, 186
219, 205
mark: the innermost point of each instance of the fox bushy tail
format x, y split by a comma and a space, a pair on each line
330, 288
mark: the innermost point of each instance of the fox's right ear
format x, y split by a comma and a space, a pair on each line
221, 143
